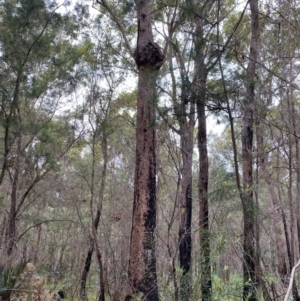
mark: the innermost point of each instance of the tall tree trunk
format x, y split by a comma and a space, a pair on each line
261, 160
199, 90
276, 236
185, 113
297, 166
290, 195
206, 284
11, 225
85, 271
88, 260
293, 137
101, 271
295, 127
277, 227
249, 211
185, 223
142, 261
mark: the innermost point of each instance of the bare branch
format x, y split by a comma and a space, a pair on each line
291, 281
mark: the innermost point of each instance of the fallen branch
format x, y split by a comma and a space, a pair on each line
291, 281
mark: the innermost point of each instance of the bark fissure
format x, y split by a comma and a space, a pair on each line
142, 261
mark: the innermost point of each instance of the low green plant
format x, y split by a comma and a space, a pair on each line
8, 279
230, 290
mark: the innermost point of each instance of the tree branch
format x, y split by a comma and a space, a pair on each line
291, 281
119, 25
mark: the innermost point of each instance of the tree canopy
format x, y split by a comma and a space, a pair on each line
149, 150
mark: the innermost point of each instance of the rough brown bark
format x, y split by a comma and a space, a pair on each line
142, 261
249, 261
142, 264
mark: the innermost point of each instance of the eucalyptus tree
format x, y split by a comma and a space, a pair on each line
270, 120
180, 118
101, 106
37, 69
192, 57
205, 57
249, 252
149, 59
247, 103
285, 79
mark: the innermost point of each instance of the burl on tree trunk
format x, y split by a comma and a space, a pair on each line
149, 53
142, 262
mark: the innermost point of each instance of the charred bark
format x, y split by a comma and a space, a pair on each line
85, 272
142, 261
142, 264
185, 223
206, 283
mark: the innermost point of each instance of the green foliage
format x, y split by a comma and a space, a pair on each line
128, 6
8, 279
34, 50
241, 35
38, 64
51, 142
227, 290
28, 30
